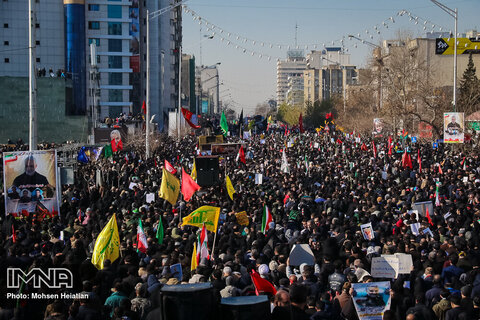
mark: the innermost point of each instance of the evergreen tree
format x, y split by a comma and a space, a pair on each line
469, 90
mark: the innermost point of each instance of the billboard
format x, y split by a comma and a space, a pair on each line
105, 135
204, 106
445, 46
30, 182
453, 127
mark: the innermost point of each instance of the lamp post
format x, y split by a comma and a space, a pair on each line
454, 14
32, 78
151, 16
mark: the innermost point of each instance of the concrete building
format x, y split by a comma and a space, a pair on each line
328, 73
189, 98
294, 95
207, 84
293, 66
165, 45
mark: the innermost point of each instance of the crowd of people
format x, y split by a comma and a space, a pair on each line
333, 185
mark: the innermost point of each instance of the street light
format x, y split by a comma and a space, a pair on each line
151, 16
454, 14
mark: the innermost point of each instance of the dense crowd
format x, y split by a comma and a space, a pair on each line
333, 186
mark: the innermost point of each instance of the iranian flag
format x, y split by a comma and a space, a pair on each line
142, 244
170, 168
203, 248
266, 219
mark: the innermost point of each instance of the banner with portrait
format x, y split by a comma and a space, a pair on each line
371, 299
453, 127
378, 127
30, 183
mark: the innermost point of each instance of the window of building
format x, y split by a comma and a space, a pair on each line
38, 59
93, 7
37, 25
37, 42
114, 45
94, 40
115, 78
90, 59
93, 25
115, 0
115, 95
5, 25
7, 60
114, 11
6, 43
114, 28
115, 62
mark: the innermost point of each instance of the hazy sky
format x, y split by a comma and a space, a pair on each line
248, 79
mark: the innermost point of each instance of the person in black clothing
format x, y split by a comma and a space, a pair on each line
30, 178
457, 312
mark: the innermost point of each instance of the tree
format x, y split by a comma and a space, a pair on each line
315, 112
288, 113
469, 90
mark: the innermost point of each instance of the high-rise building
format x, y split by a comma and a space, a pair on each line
165, 50
207, 83
293, 66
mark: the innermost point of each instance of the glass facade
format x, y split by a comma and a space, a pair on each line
114, 62
114, 45
115, 28
115, 78
114, 12
93, 25
115, 95
75, 63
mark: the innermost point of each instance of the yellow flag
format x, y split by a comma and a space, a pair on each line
107, 244
194, 172
193, 264
205, 214
170, 187
242, 218
230, 188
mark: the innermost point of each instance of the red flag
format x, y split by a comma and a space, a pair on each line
364, 147
374, 149
300, 123
286, 198
116, 146
241, 155
328, 116
419, 159
390, 145
339, 141
155, 161
429, 218
14, 236
144, 107
407, 160
169, 167
262, 285
188, 117
189, 186
440, 169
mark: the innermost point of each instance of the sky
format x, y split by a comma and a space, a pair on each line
247, 70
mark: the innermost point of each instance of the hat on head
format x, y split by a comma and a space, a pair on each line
263, 269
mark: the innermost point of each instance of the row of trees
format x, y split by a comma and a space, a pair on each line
398, 86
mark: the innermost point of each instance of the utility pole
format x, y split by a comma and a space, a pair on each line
147, 113
32, 78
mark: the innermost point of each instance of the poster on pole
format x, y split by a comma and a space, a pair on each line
378, 127
30, 183
453, 131
371, 299
422, 208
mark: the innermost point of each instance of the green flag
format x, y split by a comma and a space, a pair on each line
160, 231
107, 151
224, 124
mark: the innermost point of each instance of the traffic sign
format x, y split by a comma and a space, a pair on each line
445, 46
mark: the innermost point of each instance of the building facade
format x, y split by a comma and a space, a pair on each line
293, 66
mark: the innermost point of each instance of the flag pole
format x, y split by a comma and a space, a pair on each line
214, 240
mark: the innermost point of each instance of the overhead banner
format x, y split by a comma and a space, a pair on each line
453, 131
446, 46
30, 182
371, 299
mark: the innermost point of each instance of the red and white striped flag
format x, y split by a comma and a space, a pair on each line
142, 244
266, 219
203, 245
